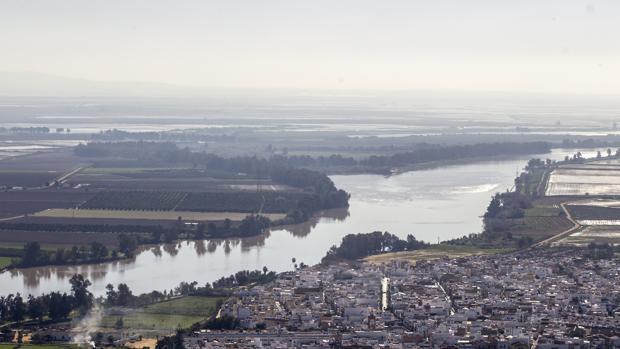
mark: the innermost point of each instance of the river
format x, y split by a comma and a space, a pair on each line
433, 205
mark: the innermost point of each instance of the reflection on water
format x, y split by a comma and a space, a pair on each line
303, 229
434, 204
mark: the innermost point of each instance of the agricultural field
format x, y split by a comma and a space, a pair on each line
597, 234
38, 169
434, 252
241, 201
165, 316
97, 198
590, 179
219, 201
17, 238
17, 203
146, 215
169, 179
594, 213
539, 227
135, 200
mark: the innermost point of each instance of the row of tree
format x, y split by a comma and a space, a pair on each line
356, 246
123, 296
423, 153
55, 305
33, 255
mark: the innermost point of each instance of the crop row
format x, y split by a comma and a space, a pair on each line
135, 200
594, 212
234, 201
241, 201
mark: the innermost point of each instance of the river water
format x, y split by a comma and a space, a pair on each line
433, 205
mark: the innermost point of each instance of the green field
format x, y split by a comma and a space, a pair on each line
434, 252
5, 261
169, 315
199, 306
543, 211
146, 321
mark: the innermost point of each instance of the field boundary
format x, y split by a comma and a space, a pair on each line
576, 226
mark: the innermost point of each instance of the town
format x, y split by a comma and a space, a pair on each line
551, 298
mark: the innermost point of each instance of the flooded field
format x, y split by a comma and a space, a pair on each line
594, 233
594, 178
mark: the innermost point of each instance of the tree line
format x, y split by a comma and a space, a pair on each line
123, 296
356, 246
425, 153
55, 305
33, 255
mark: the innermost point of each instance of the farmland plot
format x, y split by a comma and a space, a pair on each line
597, 234
135, 200
155, 215
584, 181
15, 203
242, 201
593, 213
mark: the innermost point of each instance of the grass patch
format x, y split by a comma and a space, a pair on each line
5, 262
435, 252
543, 211
199, 306
168, 315
145, 321
44, 246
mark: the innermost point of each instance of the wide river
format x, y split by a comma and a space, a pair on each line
434, 204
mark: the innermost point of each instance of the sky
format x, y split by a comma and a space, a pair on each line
550, 46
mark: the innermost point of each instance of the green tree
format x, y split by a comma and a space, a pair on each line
36, 308
98, 250
32, 254
18, 308
82, 297
127, 244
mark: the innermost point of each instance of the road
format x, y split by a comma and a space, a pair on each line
71, 173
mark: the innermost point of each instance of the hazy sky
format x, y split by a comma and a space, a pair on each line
515, 45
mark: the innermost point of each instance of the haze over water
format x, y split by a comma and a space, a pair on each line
441, 203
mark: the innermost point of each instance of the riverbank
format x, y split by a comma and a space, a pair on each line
442, 203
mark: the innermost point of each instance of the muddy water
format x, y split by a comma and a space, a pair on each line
435, 204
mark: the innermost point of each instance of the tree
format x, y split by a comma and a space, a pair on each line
124, 295
82, 297
59, 305
111, 295
18, 308
212, 229
32, 254
98, 250
495, 206
127, 244
200, 231
253, 225
36, 309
